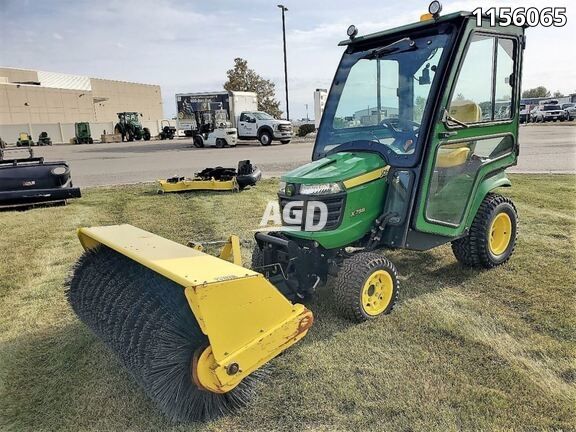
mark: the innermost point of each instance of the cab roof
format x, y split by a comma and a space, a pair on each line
408, 27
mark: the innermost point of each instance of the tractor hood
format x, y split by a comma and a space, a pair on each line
335, 168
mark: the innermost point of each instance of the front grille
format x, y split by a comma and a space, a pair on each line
335, 204
285, 128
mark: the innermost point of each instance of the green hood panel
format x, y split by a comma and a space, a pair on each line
335, 167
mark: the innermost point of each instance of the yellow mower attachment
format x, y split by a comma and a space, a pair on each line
245, 318
186, 184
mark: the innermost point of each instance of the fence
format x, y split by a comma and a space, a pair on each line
62, 133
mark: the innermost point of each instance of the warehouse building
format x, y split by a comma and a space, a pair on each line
31, 101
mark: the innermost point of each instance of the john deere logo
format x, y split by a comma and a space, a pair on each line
290, 190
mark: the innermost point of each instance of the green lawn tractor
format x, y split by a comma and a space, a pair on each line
44, 139
405, 158
25, 140
130, 128
82, 133
410, 150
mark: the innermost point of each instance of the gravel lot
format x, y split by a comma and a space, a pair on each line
543, 149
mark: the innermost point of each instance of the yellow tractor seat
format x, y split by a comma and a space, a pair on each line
453, 155
23, 136
465, 111
449, 156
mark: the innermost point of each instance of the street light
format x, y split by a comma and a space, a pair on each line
284, 9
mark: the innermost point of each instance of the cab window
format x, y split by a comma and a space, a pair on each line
483, 90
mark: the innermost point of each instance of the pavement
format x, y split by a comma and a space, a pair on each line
543, 149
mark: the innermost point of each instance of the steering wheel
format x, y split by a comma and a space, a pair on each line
404, 140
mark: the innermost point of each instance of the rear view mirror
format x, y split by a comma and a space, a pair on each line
425, 77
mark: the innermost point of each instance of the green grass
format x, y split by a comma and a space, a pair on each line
465, 349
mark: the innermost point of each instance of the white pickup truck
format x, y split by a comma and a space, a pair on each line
264, 127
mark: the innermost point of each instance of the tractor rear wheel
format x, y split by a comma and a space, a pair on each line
366, 287
492, 237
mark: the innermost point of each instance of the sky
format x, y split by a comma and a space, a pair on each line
188, 45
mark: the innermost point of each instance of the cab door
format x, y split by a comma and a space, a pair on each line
247, 125
475, 134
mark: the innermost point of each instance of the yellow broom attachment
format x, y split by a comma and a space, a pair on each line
193, 329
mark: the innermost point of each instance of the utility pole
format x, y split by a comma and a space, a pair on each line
307, 118
285, 9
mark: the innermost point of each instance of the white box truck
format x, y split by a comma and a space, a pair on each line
210, 117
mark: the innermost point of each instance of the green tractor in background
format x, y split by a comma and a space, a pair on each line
410, 149
82, 133
25, 140
130, 128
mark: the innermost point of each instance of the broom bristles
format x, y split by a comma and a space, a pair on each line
145, 319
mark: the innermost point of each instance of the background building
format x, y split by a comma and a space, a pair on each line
320, 96
31, 101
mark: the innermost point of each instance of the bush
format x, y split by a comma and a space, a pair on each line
305, 129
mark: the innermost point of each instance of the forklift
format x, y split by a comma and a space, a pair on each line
212, 128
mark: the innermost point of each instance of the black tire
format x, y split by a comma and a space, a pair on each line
285, 141
265, 138
220, 143
146, 135
475, 249
198, 141
351, 285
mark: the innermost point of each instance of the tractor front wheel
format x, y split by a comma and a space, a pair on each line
366, 287
492, 237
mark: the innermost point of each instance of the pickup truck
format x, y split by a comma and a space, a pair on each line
544, 113
264, 127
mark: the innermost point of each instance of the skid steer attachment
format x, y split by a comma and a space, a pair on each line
192, 328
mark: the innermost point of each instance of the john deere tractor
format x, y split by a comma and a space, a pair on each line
409, 154
405, 157
130, 128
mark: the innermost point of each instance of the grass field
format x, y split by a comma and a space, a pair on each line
464, 350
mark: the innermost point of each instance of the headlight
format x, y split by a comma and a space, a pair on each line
321, 189
282, 187
60, 170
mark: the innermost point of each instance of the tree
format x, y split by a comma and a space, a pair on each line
536, 92
558, 94
242, 78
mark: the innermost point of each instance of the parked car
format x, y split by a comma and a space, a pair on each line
544, 113
524, 113
570, 109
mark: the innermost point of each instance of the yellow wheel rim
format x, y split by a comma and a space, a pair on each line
377, 292
500, 234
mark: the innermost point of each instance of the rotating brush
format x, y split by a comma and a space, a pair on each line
145, 319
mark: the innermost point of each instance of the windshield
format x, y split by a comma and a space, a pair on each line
263, 116
380, 95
